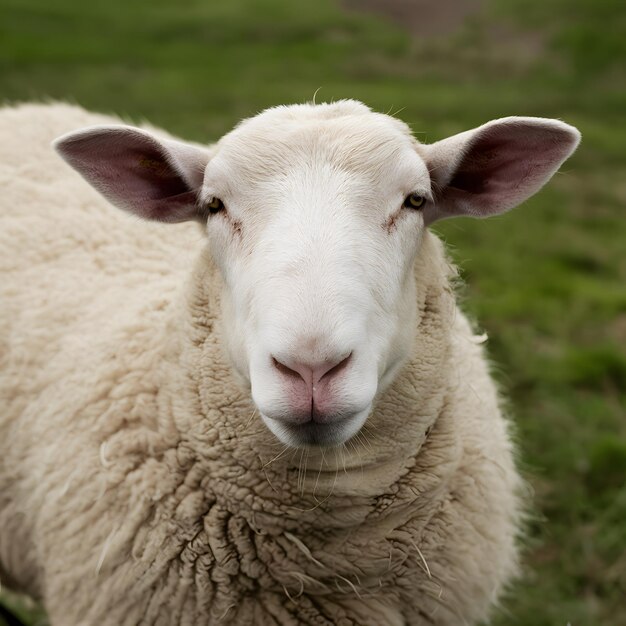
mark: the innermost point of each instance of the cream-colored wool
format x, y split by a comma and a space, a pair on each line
137, 485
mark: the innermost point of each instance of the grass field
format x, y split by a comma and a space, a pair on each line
547, 282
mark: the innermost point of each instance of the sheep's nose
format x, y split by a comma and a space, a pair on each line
312, 373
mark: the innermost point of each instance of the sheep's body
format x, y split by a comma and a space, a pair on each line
136, 489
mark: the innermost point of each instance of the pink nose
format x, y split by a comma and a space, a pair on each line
311, 374
310, 386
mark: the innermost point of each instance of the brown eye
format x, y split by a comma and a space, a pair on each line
414, 201
215, 205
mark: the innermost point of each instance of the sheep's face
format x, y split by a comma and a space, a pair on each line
314, 214
316, 240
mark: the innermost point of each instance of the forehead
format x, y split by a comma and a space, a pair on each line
346, 136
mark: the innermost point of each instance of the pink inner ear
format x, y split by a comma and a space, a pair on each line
503, 165
132, 170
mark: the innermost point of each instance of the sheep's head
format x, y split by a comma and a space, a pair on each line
314, 215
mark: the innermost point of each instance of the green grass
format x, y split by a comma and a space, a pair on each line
547, 282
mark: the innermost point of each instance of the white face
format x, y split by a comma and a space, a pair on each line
316, 247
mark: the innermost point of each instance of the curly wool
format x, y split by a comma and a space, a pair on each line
137, 485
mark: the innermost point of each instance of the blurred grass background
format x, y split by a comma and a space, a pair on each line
547, 282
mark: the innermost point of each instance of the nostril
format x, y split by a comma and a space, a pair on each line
336, 369
285, 370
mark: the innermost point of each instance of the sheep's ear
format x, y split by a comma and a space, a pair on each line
157, 179
495, 167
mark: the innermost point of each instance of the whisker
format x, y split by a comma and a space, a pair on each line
366, 443
299, 488
277, 456
423, 559
244, 428
269, 482
370, 430
319, 473
332, 488
357, 452
306, 462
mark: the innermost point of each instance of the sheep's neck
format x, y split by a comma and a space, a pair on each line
214, 499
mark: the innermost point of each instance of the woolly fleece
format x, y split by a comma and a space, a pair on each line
137, 485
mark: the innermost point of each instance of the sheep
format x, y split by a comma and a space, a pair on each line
259, 404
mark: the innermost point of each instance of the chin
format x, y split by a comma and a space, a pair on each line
315, 434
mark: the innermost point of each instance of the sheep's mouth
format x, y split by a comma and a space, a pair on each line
316, 434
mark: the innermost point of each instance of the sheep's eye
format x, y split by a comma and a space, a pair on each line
414, 201
214, 205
